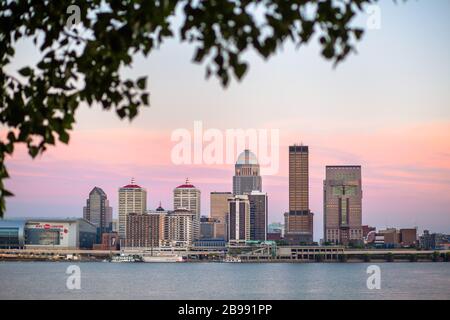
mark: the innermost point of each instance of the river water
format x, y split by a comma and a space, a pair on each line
48, 280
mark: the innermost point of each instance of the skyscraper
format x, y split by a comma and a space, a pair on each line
239, 219
181, 228
187, 196
219, 211
246, 177
299, 219
98, 212
342, 204
145, 230
258, 215
132, 199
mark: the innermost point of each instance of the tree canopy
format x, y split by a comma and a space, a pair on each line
84, 44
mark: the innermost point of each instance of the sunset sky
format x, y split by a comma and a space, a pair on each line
387, 108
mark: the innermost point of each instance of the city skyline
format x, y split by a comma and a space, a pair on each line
221, 159
278, 218
380, 109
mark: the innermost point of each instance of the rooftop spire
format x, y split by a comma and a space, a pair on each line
160, 208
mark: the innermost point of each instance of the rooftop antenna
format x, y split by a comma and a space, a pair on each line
132, 181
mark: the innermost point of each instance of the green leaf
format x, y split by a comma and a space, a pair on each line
141, 83
26, 71
240, 69
144, 98
64, 137
7, 193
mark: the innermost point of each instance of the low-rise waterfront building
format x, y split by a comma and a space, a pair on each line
366, 230
57, 233
209, 244
396, 238
274, 236
110, 241
434, 241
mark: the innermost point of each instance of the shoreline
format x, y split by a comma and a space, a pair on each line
284, 255
274, 261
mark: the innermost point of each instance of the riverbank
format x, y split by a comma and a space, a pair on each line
374, 256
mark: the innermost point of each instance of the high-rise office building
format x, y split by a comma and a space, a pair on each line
246, 176
342, 204
219, 212
98, 212
144, 230
115, 225
181, 228
258, 215
132, 199
187, 196
299, 220
239, 219
298, 178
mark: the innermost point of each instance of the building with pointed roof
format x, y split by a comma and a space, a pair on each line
98, 212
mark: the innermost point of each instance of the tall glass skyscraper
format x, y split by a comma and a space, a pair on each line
258, 215
98, 212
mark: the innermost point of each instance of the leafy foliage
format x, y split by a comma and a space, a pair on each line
81, 63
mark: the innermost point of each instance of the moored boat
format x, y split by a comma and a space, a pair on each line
231, 259
162, 258
125, 258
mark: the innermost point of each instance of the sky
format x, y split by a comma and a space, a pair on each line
386, 108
